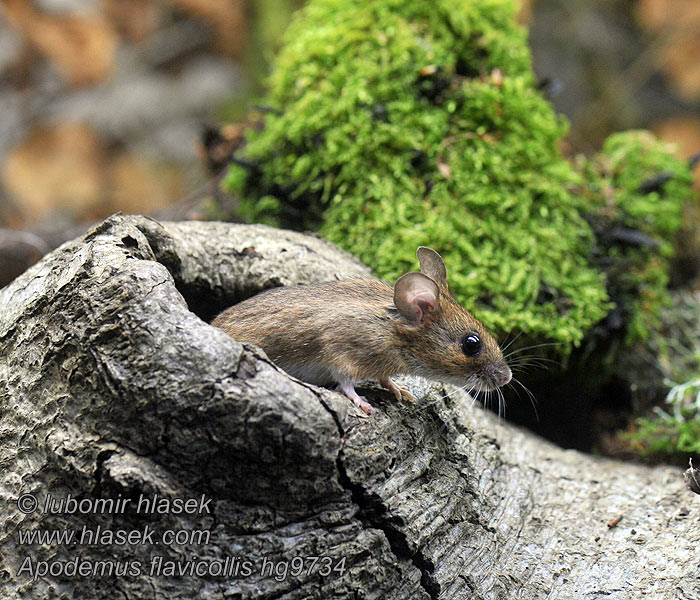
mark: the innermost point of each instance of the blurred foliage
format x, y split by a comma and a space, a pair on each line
267, 22
665, 435
674, 429
677, 23
101, 104
636, 225
661, 438
402, 124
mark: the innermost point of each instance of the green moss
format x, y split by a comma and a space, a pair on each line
661, 438
671, 435
666, 429
404, 122
637, 270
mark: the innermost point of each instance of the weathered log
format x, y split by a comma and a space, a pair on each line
20, 249
115, 388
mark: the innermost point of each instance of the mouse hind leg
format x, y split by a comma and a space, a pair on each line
349, 390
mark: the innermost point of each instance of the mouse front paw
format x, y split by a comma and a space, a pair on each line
398, 391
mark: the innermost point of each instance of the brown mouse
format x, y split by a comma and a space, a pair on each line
348, 331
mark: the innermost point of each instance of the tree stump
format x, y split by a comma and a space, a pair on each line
169, 461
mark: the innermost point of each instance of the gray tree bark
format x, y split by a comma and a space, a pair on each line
114, 387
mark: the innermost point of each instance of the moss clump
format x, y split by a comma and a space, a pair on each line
404, 122
636, 188
670, 430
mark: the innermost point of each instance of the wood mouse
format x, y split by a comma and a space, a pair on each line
348, 331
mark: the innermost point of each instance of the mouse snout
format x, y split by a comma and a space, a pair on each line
497, 374
505, 374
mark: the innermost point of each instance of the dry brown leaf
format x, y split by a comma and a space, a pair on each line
658, 14
683, 66
685, 133
55, 170
227, 16
138, 185
677, 22
134, 19
81, 47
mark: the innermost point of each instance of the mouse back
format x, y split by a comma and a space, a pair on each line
321, 333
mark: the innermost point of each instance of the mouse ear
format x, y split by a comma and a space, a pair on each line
432, 265
415, 294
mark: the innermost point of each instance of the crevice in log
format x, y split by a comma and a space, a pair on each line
373, 514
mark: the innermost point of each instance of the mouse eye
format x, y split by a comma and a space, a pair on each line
471, 344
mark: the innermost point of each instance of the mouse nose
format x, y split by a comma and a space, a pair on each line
506, 375
498, 374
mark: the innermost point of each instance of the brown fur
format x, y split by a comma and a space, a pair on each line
352, 331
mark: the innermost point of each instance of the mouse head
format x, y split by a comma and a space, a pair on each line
442, 340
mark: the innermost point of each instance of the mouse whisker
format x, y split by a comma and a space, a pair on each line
473, 396
507, 344
491, 399
501, 401
533, 362
523, 363
522, 371
486, 401
532, 347
456, 390
526, 359
530, 395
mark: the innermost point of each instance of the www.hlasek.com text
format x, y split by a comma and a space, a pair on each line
103, 536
